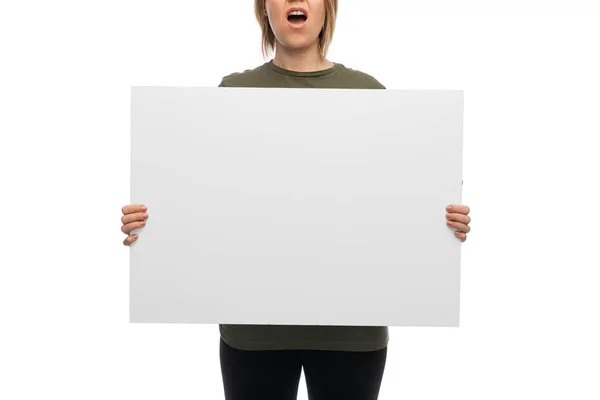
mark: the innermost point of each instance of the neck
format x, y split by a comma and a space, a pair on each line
302, 60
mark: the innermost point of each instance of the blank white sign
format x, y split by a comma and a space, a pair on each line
296, 206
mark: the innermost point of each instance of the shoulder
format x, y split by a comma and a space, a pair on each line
361, 80
248, 77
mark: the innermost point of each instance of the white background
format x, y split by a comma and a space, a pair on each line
530, 276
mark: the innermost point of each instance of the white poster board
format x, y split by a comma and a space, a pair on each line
296, 206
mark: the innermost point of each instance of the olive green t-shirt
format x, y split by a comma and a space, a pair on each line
276, 337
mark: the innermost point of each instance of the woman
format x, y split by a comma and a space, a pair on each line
265, 362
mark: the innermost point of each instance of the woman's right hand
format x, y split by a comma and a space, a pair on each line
134, 217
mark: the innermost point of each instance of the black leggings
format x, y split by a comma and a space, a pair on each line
275, 375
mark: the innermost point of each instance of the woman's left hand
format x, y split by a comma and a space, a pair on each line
457, 216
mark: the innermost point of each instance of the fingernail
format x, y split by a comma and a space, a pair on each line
135, 236
448, 208
144, 208
145, 215
143, 222
456, 233
449, 222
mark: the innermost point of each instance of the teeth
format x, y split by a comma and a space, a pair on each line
297, 13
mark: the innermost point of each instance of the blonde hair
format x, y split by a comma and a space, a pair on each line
268, 37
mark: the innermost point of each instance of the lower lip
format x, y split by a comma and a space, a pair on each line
297, 25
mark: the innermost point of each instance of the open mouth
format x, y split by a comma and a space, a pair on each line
297, 17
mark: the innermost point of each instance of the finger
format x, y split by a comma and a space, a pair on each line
127, 228
462, 236
132, 208
130, 239
462, 227
453, 208
465, 219
139, 216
